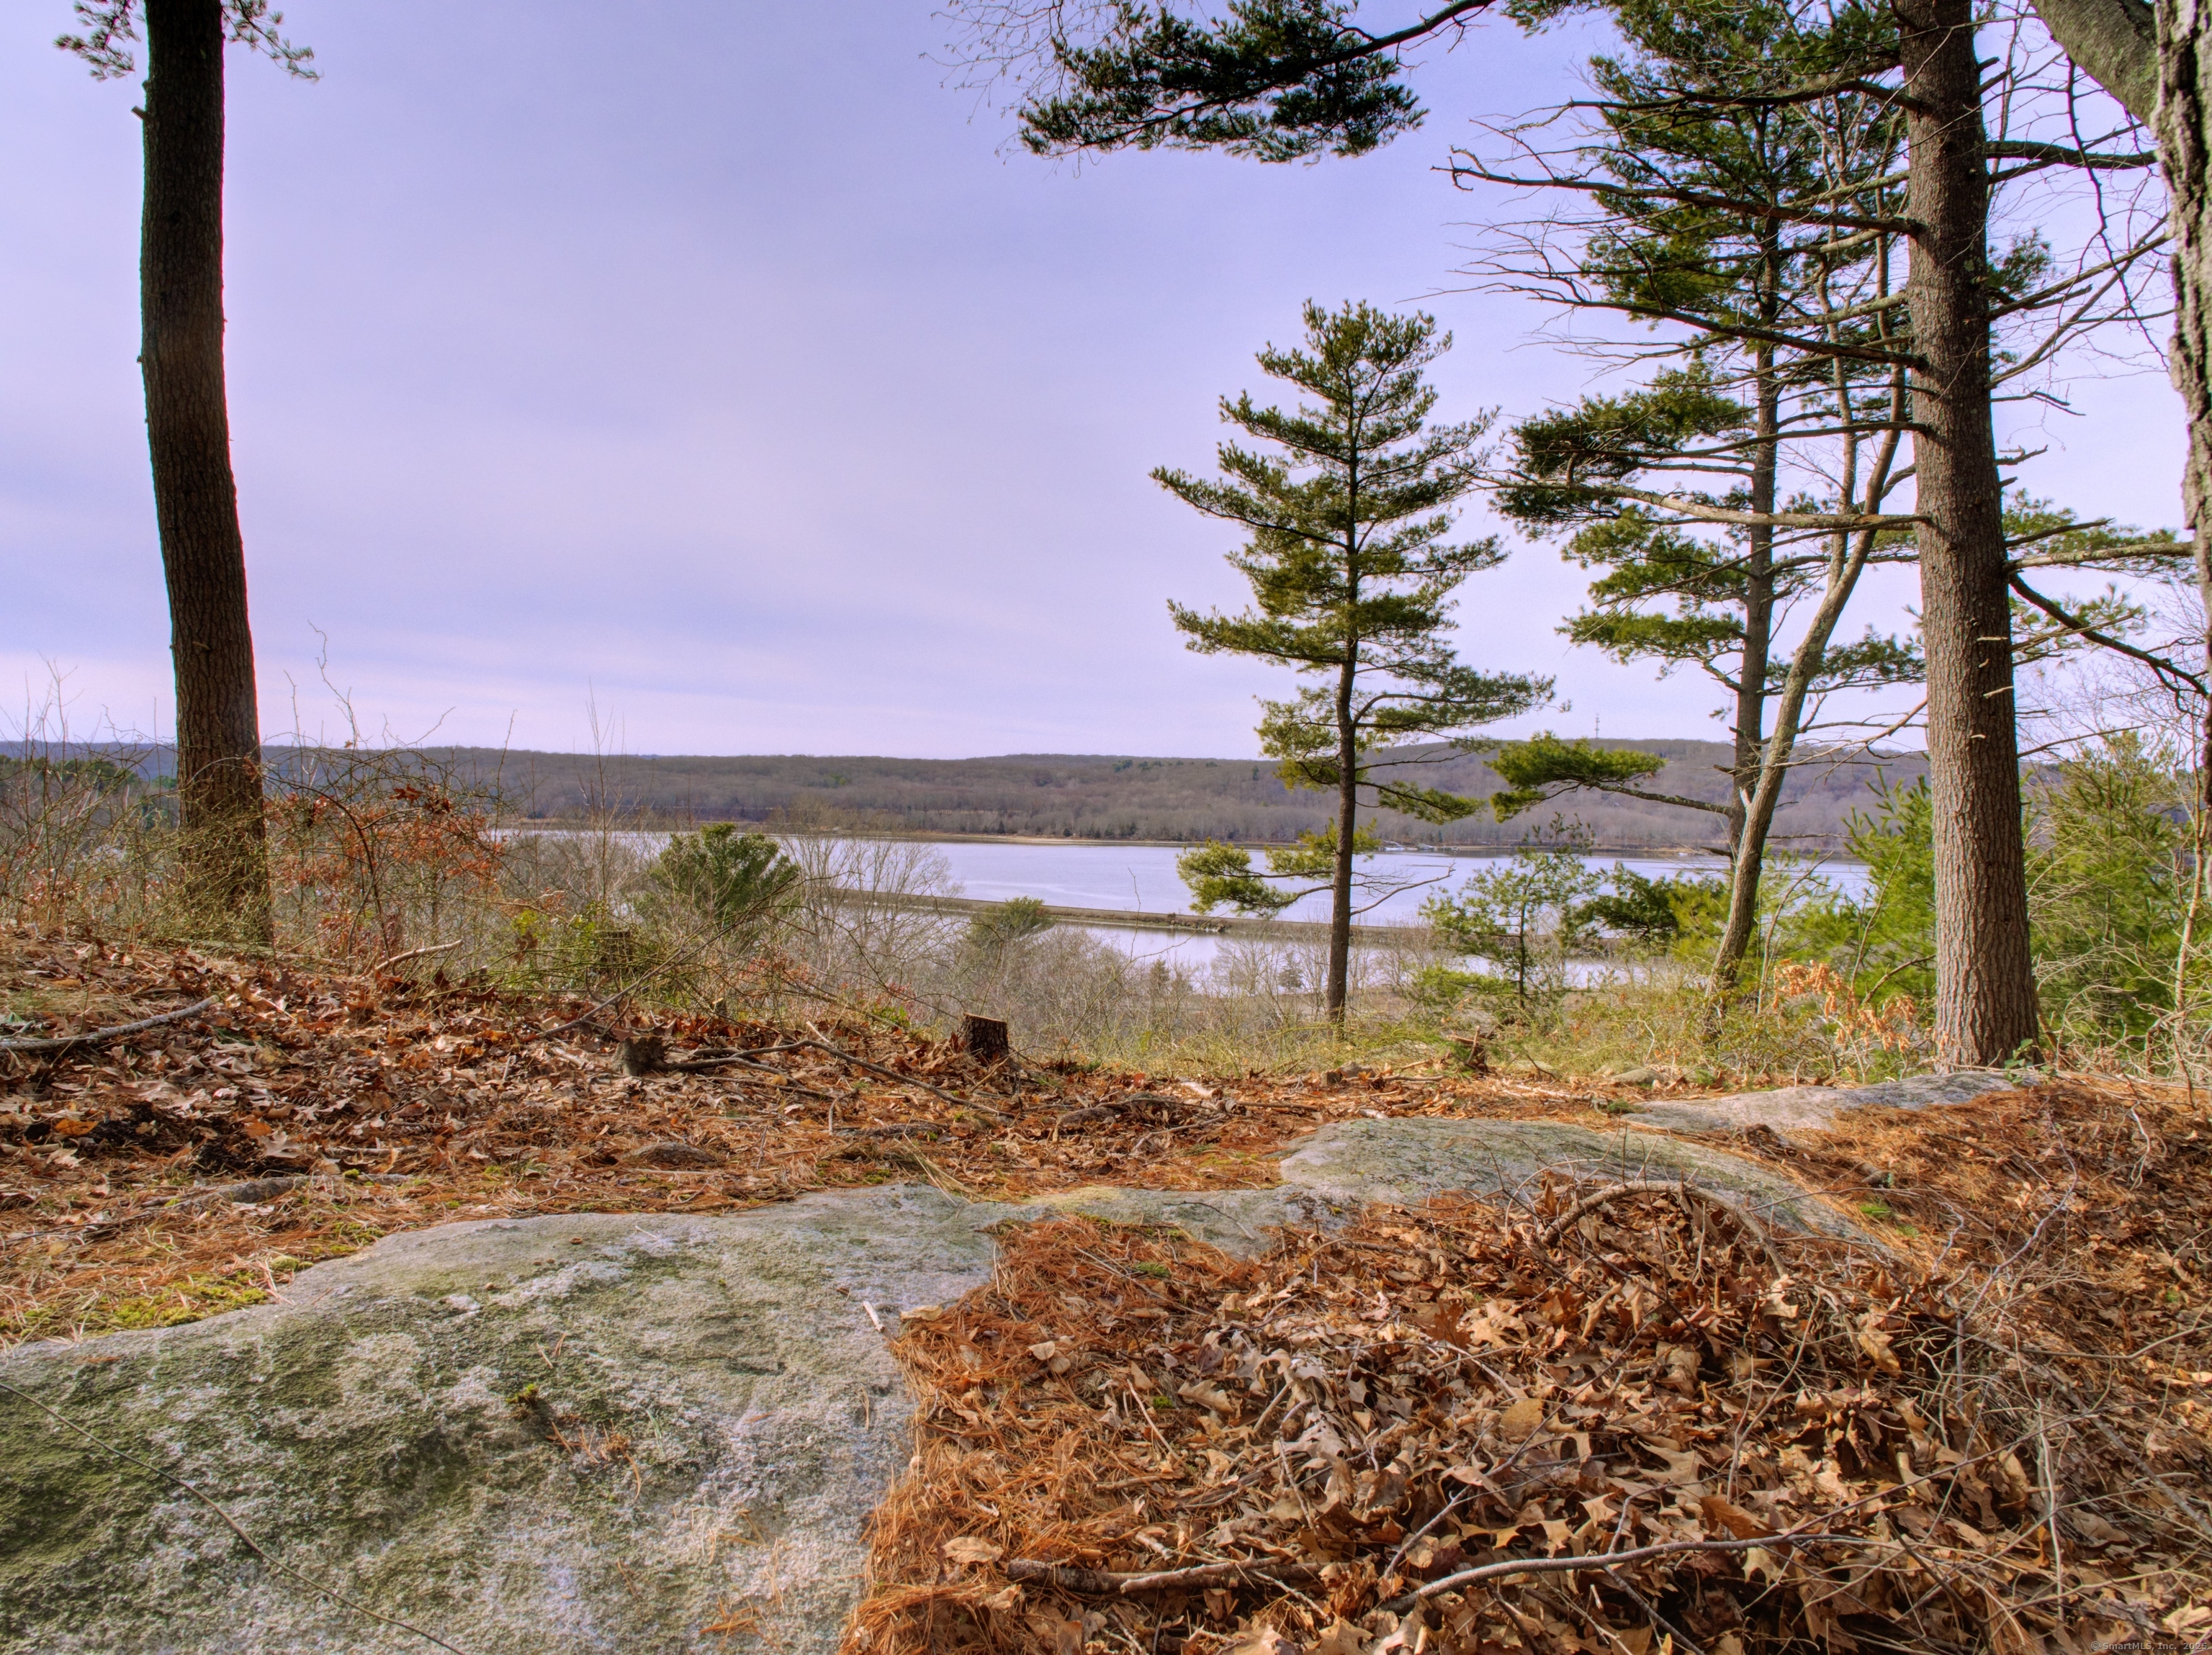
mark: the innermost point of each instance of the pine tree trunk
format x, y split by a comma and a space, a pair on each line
1347, 821
1985, 1008
2184, 124
195, 497
1747, 833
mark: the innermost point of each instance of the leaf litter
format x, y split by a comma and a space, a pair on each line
1425, 1432
193, 1167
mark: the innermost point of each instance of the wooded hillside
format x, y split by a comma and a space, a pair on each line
1126, 797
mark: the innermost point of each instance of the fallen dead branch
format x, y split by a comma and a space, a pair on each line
102, 1036
891, 1074
1123, 1106
252, 1190
1678, 1191
402, 958
1105, 1583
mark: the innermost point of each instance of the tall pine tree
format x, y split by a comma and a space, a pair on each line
1785, 327
1280, 79
1352, 569
219, 784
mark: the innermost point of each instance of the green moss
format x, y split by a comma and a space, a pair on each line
188, 1301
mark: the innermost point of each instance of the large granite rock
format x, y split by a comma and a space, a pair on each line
630, 1434
1351, 1164
714, 1416
1814, 1108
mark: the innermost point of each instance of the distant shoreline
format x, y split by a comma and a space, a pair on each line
571, 824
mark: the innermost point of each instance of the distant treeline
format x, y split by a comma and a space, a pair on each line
1098, 795
1115, 797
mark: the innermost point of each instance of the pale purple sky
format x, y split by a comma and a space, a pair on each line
723, 366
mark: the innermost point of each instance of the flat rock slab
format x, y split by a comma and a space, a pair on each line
1351, 1164
726, 1415
713, 1416
1814, 1108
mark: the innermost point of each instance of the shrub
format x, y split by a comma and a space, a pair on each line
1523, 919
1003, 925
731, 882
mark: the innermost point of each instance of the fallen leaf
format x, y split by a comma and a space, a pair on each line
1045, 1351
1875, 1342
1758, 1563
68, 1127
1011, 1598
1682, 1467
2187, 1616
1733, 1517
1521, 1420
1061, 1637
1340, 1638
1828, 1483
1492, 1325
1212, 1396
1260, 1641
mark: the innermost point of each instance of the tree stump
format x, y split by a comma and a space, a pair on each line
985, 1038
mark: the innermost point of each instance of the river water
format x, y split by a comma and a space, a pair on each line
1142, 877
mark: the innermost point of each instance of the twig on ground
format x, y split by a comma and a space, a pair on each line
1606, 1560
1682, 1192
383, 966
267, 1189
102, 1036
843, 1055
1107, 1583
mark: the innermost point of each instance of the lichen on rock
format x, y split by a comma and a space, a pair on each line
580, 1433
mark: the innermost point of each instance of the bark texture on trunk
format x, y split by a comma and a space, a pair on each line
1347, 821
2115, 42
195, 496
2183, 125
1748, 830
1985, 1008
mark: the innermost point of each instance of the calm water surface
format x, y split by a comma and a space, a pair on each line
1143, 876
